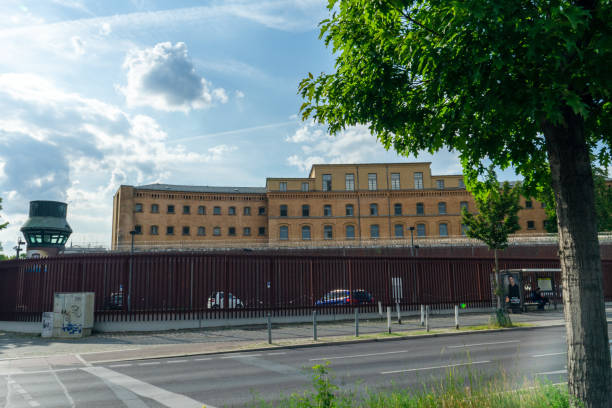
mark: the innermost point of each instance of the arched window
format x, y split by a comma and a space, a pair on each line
202, 210
398, 230
443, 229
328, 232
283, 233
374, 231
306, 233
350, 232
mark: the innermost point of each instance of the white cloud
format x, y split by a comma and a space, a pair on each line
105, 29
78, 46
164, 78
238, 94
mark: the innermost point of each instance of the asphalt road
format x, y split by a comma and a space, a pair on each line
238, 379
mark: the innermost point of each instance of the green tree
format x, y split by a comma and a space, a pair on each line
496, 219
520, 83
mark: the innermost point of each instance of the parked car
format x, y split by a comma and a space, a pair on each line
217, 301
344, 297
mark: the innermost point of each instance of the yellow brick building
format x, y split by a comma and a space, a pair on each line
336, 204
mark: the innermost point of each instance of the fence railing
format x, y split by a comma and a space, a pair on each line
158, 286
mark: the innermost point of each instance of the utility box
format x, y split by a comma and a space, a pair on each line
72, 316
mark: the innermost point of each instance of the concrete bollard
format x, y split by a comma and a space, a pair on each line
380, 311
356, 322
422, 315
389, 319
457, 317
314, 325
399, 314
269, 329
427, 318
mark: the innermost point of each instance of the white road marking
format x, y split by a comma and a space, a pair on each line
64, 389
549, 354
358, 355
9, 382
24, 394
202, 359
276, 354
128, 398
435, 367
151, 363
85, 363
120, 365
144, 389
240, 356
484, 344
552, 372
176, 361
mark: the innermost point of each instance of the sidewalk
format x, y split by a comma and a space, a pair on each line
122, 346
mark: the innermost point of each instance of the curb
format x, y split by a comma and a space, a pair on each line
319, 344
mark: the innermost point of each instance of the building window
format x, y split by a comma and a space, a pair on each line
461, 183
464, 229
306, 233
283, 233
420, 230
246, 210
327, 186
246, 231
261, 231
442, 208
543, 205
217, 231
170, 209
138, 229
305, 210
398, 230
372, 181
374, 231
418, 180
327, 232
350, 181
185, 230
327, 212
138, 207
169, 230
545, 224
282, 186
443, 230
463, 205
231, 211
283, 210
440, 184
531, 225
397, 209
202, 210
154, 208
231, 231
201, 231
395, 181
154, 230
186, 209
305, 187
216, 210
261, 211
420, 209
349, 210
528, 204
373, 209
350, 232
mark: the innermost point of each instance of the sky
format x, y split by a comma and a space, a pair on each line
98, 94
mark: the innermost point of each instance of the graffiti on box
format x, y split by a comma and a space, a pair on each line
73, 328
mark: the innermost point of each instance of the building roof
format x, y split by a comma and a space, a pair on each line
202, 189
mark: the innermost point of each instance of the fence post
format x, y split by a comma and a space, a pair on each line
457, 317
399, 315
356, 322
389, 319
314, 325
422, 315
380, 310
269, 328
427, 317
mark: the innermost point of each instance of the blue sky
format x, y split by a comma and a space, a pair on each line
98, 94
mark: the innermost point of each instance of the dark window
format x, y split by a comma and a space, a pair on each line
169, 230
201, 231
231, 211
246, 231
399, 230
441, 208
186, 209
217, 231
528, 204
138, 229
154, 208
397, 209
372, 185
282, 186
247, 211
349, 210
543, 205
418, 180
305, 187
443, 230
464, 229
463, 204
261, 211
138, 207
395, 181
328, 232
305, 210
349, 181
231, 231
461, 183
261, 231
283, 233
202, 210
306, 232
283, 210
327, 185
420, 209
373, 209
170, 209
350, 232
154, 230
420, 230
217, 210
374, 231
440, 184
327, 212
185, 230
530, 224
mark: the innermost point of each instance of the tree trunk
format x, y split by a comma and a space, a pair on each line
498, 282
588, 357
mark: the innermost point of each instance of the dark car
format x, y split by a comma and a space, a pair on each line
344, 297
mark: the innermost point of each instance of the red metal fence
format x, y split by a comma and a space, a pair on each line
172, 286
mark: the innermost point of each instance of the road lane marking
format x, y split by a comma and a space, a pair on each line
552, 372
240, 356
176, 361
151, 363
120, 365
485, 344
202, 359
64, 389
82, 360
435, 367
549, 354
358, 355
164, 397
276, 354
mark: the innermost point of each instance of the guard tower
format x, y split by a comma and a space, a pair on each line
46, 230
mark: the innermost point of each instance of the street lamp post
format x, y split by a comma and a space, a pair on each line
129, 297
18, 247
412, 241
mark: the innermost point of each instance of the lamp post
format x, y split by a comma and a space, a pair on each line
412, 241
129, 297
18, 247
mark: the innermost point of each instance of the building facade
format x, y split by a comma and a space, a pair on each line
335, 204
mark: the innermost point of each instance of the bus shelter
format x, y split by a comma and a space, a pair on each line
519, 287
